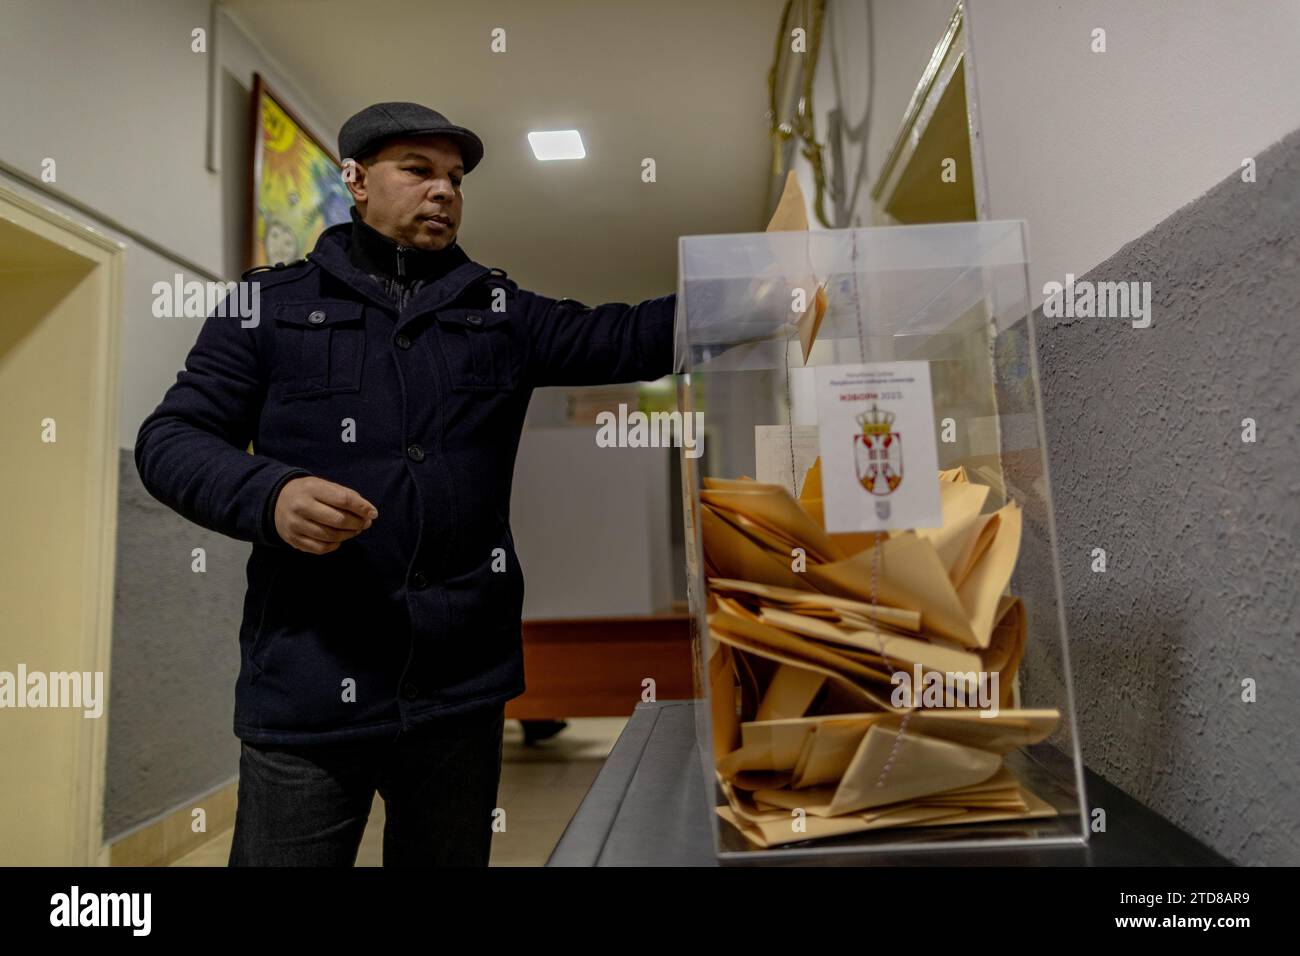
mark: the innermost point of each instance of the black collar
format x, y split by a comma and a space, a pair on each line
375, 253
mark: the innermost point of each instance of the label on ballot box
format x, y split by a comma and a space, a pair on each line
880, 466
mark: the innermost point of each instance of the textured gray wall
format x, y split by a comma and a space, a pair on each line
175, 659
1200, 529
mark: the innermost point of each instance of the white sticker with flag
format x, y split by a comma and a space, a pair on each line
880, 464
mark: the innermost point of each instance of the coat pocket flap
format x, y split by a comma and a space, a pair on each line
473, 318
318, 315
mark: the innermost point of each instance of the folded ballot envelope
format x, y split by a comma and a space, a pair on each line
796, 298
791, 215
811, 631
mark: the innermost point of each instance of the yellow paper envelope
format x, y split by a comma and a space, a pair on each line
790, 693
897, 649
773, 507
791, 646
1036, 807
961, 504
1009, 730
919, 765
829, 750
732, 554
899, 618
908, 574
982, 591
849, 690
791, 215
722, 697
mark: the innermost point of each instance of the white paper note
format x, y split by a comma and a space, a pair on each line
772, 455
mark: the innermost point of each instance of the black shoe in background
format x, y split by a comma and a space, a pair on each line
535, 730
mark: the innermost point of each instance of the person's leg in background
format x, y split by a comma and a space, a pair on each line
440, 790
303, 806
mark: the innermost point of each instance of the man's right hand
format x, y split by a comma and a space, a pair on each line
316, 516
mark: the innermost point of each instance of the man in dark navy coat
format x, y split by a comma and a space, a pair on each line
383, 390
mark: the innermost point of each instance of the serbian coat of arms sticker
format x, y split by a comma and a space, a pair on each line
878, 452
864, 412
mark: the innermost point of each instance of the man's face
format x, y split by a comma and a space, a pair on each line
410, 191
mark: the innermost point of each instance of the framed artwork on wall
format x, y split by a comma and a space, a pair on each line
298, 189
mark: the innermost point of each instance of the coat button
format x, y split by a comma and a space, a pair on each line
316, 318
402, 342
415, 452
410, 691
474, 319
419, 581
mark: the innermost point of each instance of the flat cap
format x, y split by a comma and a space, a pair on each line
365, 130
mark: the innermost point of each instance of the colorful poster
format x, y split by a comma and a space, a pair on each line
298, 188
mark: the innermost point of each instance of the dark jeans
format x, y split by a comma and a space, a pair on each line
307, 805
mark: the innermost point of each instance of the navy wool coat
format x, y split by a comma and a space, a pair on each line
433, 398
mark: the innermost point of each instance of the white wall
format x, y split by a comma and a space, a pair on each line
121, 104
1093, 149
591, 525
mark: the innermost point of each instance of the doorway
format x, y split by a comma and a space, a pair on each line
60, 332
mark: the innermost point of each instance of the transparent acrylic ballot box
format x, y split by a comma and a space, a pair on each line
879, 645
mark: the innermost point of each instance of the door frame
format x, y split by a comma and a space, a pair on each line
106, 258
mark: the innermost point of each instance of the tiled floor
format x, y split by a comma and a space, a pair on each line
541, 787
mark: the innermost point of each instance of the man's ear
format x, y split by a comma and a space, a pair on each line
354, 175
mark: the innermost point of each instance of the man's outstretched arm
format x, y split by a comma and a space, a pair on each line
573, 344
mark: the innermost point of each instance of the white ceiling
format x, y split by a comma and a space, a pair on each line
682, 81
